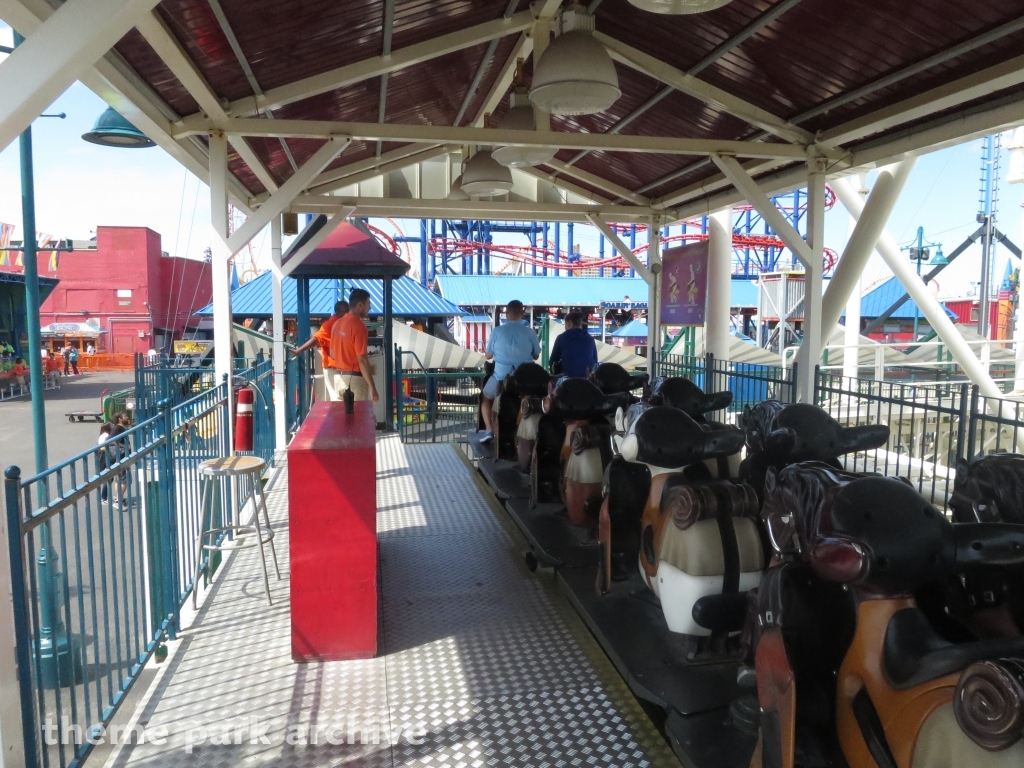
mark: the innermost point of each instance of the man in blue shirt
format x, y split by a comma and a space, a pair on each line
510, 345
574, 353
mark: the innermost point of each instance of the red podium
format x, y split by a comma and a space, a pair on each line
332, 497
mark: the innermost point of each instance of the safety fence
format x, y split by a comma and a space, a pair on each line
749, 383
103, 554
106, 361
435, 406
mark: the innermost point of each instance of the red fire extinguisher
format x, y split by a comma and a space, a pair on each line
244, 419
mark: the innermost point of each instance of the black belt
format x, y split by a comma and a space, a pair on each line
349, 373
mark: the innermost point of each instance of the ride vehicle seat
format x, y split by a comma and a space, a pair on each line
698, 535
586, 448
527, 384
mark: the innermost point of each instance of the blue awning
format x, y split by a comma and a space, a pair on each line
550, 291
632, 329
876, 301
255, 298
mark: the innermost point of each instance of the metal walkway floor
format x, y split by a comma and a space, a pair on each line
482, 663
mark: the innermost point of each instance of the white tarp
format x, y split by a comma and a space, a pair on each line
740, 350
930, 352
432, 352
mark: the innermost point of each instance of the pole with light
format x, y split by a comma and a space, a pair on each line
918, 253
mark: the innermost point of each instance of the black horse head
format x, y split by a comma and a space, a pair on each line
528, 380
786, 434
989, 489
668, 438
679, 392
612, 378
577, 399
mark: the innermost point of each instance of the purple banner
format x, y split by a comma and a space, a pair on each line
684, 284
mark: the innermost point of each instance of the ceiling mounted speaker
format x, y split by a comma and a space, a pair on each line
483, 176
520, 118
456, 193
575, 75
679, 7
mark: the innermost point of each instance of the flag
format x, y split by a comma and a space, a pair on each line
45, 240
6, 231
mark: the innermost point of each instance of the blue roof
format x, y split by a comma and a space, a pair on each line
491, 290
254, 299
632, 329
876, 301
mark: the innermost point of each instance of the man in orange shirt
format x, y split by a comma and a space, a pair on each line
348, 350
323, 338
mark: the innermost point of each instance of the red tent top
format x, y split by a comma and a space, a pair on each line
348, 251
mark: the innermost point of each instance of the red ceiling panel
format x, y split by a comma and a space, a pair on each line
818, 50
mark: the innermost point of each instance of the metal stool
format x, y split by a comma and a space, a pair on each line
235, 466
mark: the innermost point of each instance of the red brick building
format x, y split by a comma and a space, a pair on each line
124, 296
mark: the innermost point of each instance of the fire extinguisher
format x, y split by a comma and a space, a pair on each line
244, 419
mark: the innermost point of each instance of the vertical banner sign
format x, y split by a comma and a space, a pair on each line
684, 284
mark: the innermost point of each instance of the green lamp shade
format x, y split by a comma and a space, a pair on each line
112, 130
939, 259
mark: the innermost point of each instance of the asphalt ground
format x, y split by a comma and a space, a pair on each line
63, 439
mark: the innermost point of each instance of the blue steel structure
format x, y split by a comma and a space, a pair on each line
556, 243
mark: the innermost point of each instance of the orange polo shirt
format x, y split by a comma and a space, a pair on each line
323, 338
348, 341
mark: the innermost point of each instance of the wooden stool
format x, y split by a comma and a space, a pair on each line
235, 466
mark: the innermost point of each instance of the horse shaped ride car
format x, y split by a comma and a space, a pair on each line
904, 696
586, 444
692, 534
523, 388
780, 434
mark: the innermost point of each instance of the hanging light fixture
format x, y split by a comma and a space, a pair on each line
678, 7
939, 259
520, 118
112, 130
575, 75
456, 193
483, 176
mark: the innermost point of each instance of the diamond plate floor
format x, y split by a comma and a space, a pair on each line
483, 664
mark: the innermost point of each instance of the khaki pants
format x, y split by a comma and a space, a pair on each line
342, 381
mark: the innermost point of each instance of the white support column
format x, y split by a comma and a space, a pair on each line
912, 283
717, 318
295, 259
814, 330
280, 364
221, 258
61, 51
876, 210
654, 294
851, 353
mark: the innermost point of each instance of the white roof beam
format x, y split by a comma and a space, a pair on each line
325, 181
597, 181
57, 53
283, 197
565, 185
623, 249
430, 134
296, 259
469, 209
167, 47
757, 198
698, 89
379, 65
115, 83
428, 153
975, 86
507, 73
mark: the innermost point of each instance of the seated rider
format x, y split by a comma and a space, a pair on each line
509, 345
575, 352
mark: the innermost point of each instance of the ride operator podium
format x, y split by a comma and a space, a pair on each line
332, 498
332, 472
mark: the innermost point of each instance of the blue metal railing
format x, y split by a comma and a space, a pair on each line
435, 406
102, 552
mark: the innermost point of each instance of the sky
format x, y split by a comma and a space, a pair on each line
79, 186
